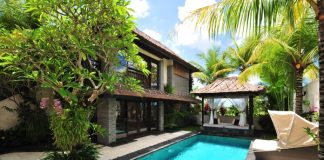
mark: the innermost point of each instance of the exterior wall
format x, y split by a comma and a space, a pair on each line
180, 79
181, 85
106, 117
9, 119
312, 94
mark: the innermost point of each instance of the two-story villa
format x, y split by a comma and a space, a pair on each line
126, 113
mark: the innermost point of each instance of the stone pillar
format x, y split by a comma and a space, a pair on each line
106, 117
161, 116
162, 75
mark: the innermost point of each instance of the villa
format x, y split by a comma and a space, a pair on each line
126, 113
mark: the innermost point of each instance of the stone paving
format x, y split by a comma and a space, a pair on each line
106, 152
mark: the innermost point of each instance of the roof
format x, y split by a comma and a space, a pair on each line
155, 95
228, 86
165, 51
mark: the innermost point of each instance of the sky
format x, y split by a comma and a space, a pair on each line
162, 20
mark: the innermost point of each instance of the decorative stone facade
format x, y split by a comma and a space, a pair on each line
161, 116
106, 117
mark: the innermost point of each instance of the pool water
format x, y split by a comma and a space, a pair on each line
203, 147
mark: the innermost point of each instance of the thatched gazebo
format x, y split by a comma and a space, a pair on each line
230, 87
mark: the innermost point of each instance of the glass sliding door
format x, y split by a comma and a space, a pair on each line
132, 117
136, 117
121, 120
154, 115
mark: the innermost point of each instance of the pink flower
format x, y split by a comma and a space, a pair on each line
58, 106
315, 109
43, 103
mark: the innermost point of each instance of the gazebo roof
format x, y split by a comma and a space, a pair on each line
229, 86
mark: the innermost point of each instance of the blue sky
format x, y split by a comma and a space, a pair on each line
161, 19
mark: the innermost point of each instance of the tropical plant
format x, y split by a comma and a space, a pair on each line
13, 14
320, 17
242, 56
215, 67
232, 111
169, 89
248, 17
296, 51
80, 152
251, 16
73, 52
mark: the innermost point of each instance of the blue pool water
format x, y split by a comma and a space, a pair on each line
203, 147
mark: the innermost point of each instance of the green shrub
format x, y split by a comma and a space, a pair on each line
179, 117
81, 152
169, 89
232, 111
70, 128
266, 123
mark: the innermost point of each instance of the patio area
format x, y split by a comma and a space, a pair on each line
108, 152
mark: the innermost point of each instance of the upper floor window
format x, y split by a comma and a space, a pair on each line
151, 81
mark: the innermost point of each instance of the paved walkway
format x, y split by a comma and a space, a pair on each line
106, 151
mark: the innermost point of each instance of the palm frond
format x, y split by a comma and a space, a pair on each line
311, 72
242, 16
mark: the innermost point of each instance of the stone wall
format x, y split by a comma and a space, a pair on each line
106, 117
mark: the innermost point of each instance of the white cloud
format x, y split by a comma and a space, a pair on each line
141, 8
186, 33
191, 5
170, 44
152, 33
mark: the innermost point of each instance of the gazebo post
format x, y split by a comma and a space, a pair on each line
251, 113
202, 112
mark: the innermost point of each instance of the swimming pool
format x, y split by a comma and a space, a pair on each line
203, 147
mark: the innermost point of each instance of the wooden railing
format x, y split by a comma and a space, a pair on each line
144, 80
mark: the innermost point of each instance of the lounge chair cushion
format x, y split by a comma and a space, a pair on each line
260, 145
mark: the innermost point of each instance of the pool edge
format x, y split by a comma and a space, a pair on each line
148, 150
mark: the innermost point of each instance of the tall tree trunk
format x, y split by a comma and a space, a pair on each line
299, 92
320, 16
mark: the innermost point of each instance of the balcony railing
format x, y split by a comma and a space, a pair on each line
144, 80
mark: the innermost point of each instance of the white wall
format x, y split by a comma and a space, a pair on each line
312, 94
9, 119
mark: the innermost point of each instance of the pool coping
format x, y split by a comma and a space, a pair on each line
148, 150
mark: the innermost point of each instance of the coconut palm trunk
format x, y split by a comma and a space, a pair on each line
299, 92
320, 4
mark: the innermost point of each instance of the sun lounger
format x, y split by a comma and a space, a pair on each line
293, 143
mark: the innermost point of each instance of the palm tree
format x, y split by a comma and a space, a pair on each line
215, 67
320, 16
234, 15
241, 56
295, 52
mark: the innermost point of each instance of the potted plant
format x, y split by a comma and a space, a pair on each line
222, 110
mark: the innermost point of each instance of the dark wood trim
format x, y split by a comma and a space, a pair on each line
202, 112
251, 98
